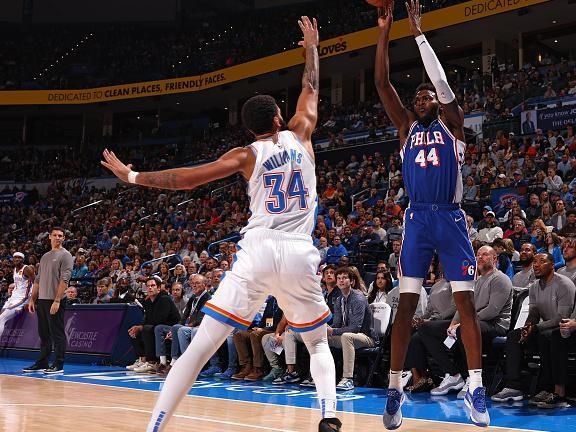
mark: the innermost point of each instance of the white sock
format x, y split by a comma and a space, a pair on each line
211, 334
475, 379
395, 380
322, 369
163, 360
173, 361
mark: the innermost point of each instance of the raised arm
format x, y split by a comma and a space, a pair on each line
238, 160
451, 111
304, 120
400, 116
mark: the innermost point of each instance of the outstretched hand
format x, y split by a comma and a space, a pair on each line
414, 16
386, 16
118, 168
309, 32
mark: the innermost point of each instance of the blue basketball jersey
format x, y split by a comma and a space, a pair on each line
431, 164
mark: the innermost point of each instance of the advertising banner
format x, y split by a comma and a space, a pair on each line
87, 331
437, 19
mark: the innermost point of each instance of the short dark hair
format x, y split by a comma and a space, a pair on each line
425, 86
57, 228
258, 113
549, 256
351, 275
328, 267
571, 212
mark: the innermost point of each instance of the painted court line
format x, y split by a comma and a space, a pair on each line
205, 419
269, 404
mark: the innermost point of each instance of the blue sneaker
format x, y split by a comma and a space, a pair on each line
476, 405
211, 371
227, 374
392, 417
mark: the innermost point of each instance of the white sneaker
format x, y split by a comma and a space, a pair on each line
134, 365
462, 393
145, 368
448, 384
406, 377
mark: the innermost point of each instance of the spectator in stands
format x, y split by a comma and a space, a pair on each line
80, 268
440, 306
158, 309
569, 254
472, 233
569, 229
504, 261
553, 181
177, 294
271, 341
490, 230
381, 232
72, 296
534, 210
519, 235
123, 292
164, 272
547, 213
322, 248
382, 286
551, 300
352, 325
470, 192
522, 280
553, 248
559, 218
217, 275
331, 291
395, 231
394, 256
493, 301
101, 293
248, 343
180, 276
335, 251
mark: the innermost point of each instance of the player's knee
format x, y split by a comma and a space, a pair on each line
410, 285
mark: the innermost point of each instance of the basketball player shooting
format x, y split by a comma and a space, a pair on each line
276, 255
432, 151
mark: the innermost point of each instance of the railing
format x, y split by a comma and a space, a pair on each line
353, 197
233, 237
217, 190
171, 256
489, 129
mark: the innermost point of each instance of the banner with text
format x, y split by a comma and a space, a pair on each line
87, 331
434, 20
548, 119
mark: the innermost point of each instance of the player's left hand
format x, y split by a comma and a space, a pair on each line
309, 31
54, 308
414, 16
118, 168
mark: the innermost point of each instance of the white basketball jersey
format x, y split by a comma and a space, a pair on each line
282, 188
21, 286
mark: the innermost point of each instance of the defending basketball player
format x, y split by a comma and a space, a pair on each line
23, 280
432, 151
276, 255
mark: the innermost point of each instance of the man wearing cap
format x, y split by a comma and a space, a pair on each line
23, 280
487, 221
491, 230
47, 292
517, 180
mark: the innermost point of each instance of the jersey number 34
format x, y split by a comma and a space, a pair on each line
279, 194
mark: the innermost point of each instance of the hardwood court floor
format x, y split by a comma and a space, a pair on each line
44, 405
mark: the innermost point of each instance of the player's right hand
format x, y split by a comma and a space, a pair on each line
309, 32
31, 306
118, 168
386, 16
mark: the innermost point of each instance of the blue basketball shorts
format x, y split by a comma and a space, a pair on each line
439, 228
